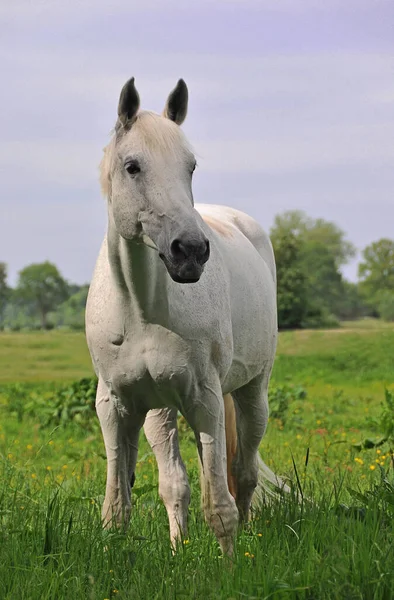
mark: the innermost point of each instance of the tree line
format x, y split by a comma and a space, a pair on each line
312, 291
42, 299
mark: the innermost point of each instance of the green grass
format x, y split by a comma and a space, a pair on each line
52, 482
43, 356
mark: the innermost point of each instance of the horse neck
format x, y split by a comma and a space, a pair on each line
140, 279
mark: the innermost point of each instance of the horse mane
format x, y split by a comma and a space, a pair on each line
154, 134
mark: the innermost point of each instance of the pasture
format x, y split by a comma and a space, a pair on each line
328, 394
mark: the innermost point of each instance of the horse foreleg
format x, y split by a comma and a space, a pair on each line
162, 434
207, 419
120, 429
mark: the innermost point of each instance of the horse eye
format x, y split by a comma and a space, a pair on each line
194, 167
132, 167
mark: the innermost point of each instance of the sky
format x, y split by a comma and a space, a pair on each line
291, 106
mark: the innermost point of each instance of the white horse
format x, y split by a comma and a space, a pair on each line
205, 349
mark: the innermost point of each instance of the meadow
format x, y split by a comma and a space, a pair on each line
332, 398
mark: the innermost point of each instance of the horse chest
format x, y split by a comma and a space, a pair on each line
149, 366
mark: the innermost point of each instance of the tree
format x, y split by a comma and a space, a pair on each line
386, 306
315, 231
291, 282
71, 313
323, 249
351, 304
4, 292
376, 271
43, 287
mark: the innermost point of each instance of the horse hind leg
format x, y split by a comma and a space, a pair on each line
251, 474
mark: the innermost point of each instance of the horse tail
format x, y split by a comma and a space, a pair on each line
269, 485
230, 422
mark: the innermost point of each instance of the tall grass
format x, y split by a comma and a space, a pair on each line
327, 396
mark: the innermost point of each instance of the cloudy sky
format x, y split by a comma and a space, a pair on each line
291, 106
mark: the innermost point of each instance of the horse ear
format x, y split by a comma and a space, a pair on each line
129, 103
176, 105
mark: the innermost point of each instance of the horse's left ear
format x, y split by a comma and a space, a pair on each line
176, 105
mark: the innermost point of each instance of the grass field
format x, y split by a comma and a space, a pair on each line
52, 482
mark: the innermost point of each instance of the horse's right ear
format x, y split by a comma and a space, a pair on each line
129, 103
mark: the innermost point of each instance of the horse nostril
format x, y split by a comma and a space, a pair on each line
178, 250
207, 252
187, 249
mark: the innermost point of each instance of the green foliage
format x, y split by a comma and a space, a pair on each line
4, 292
19, 314
379, 497
315, 232
41, 286
383, 423
76, 402
291, 282
385, 305
351, 303
71, 313
54, 405
318, 250
377, 269
281, 396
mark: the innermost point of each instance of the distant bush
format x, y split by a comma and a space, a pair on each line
320, 320
386, 306
58, 405
281, 396
54, 405
71, 313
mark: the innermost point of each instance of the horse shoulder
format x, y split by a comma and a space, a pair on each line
224, 220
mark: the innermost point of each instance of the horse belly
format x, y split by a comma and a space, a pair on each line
254, 321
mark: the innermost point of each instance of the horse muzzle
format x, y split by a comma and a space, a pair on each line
186, 258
